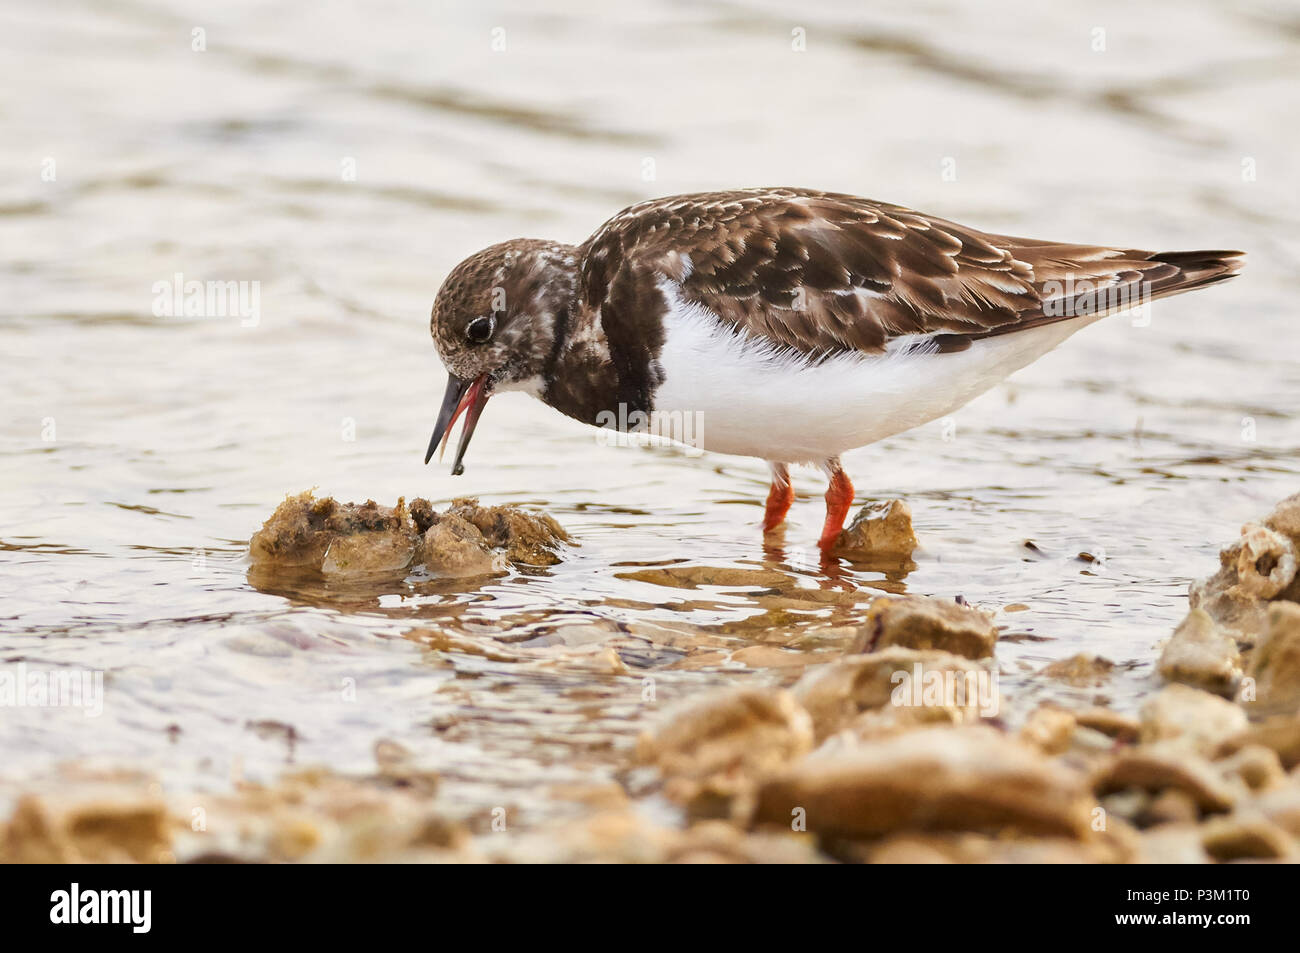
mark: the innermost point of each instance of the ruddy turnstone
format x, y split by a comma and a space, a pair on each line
793, 324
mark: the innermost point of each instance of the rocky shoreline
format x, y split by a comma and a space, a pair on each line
898, 750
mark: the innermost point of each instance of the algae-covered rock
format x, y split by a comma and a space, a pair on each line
526, 538
455, 547
921, 622
301, 530
350, 540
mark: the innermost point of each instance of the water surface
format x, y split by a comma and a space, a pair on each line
345, 158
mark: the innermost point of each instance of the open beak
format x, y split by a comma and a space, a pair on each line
462, 397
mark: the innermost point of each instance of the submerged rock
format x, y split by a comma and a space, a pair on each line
921, 622
1082, 670
344, 540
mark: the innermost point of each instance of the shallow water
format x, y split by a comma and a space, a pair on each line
141, 451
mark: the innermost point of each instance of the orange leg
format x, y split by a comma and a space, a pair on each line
779, 497
839, 497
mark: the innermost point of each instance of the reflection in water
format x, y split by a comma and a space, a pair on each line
142, 451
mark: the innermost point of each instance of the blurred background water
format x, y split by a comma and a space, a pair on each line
344, 157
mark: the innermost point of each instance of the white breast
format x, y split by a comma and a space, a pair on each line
740, 394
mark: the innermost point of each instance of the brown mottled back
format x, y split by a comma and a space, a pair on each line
822, 272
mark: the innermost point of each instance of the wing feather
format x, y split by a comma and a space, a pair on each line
822, 272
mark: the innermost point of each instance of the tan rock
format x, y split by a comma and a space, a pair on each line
1111, 723
1266, 563
1274, 666
1200, 655
1083, 670
302, 529
1281, 733
1245, 837
983, 849
455, 547
1285, 519
1172, 844
971, 778
921, 622
101, 826
626, 837
527, 538
881, 533
1280, 804
1241, 615
359, 539
1193, 718
836, 693
716, 747
383, 552
1255, 766
1050, 730
1155, 768
1170, 806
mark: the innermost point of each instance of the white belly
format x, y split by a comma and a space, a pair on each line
742, 395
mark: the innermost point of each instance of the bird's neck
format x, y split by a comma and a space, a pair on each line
580, 380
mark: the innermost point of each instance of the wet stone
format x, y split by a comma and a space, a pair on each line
837, 693
356, 540
712, 748
1082, 670
1200, 655
1049, 729
881, 533
922, 622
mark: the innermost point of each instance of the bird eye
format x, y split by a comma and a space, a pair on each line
480, 329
